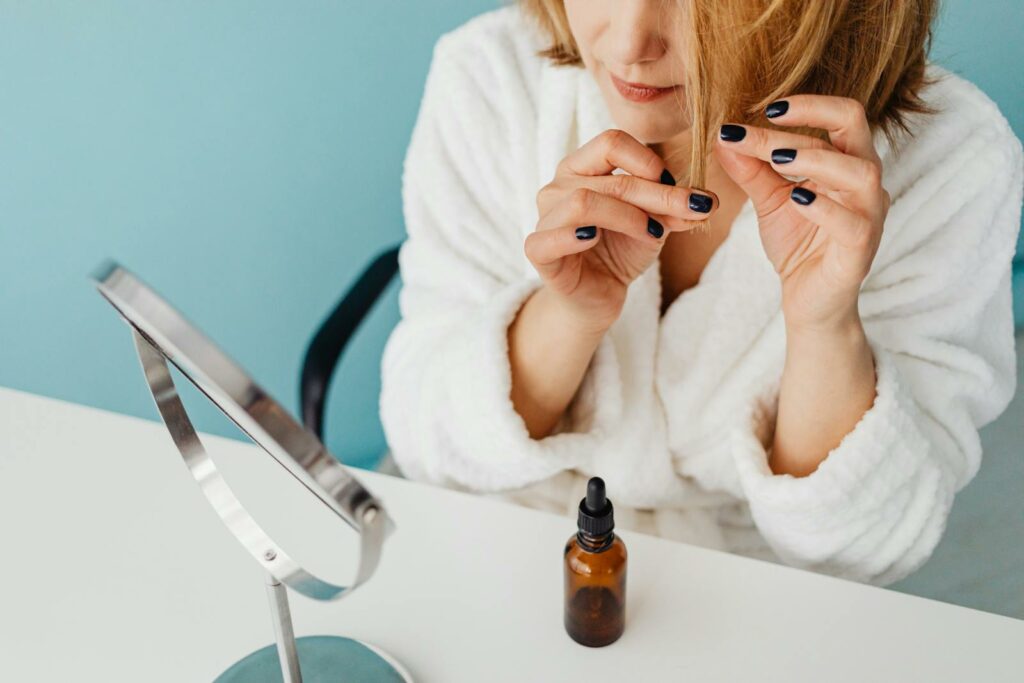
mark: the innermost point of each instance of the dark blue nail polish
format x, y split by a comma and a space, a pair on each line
732, 133
776, 108
666, 178
654, 227
801, 195
587, 232
701, 203
783, 155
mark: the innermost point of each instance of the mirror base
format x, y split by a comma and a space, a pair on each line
322, 659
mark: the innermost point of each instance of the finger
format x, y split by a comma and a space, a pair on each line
849, 229
676, 224
843, 117
758, 142
609, 150
545, 249
740, 149
860, 180
766, 188
684, 202
587, 207
833, 169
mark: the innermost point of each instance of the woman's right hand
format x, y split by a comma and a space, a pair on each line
589, 268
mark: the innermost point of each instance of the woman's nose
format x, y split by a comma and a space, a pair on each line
633, 31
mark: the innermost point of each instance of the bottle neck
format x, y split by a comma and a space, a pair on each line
595, 543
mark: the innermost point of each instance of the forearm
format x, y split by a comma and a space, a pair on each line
549, 351
828, 383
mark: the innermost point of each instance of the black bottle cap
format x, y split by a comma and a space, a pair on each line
597, 517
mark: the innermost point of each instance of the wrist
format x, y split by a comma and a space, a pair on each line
827, 385
823, 340
844, 328
843, 322
579, 321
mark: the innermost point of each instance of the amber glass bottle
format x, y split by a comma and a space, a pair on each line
595, 573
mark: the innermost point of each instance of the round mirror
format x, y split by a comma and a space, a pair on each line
162, 335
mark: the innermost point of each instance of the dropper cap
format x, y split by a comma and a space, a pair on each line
596, 517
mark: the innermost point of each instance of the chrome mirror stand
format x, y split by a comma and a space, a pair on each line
161, 334
284, 634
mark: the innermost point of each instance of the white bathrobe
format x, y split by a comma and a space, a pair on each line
677, 413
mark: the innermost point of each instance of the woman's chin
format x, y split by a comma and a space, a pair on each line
649, 124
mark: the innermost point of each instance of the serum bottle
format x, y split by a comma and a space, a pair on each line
595, 573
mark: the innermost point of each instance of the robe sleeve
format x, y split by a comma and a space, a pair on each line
936, 308
445, 401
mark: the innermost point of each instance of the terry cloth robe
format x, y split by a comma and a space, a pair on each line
676, 413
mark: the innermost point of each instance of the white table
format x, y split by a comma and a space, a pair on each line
116, 569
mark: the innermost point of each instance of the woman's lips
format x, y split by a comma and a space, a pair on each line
637, 94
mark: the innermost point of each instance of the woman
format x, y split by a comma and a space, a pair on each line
787, 381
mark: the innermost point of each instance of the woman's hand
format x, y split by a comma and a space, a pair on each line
598, 231
821, 234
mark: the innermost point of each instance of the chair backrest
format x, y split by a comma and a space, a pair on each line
328, 343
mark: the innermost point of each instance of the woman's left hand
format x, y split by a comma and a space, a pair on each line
820, 234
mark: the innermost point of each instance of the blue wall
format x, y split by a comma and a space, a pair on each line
245, 159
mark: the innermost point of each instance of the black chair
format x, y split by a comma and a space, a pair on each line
328, 344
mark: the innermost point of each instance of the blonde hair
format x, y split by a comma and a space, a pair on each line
742, 55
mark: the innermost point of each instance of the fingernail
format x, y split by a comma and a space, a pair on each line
654, 227
701, 202
587, 232
666, 178
776, 108
783, 156
801, 195
732, 133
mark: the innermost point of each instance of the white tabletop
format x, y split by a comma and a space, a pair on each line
116, 569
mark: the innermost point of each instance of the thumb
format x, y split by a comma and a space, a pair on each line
766, 188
